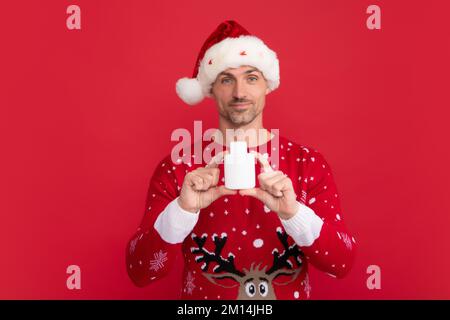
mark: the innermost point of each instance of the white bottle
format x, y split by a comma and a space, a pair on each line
239, 167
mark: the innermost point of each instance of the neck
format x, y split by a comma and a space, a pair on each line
253, 133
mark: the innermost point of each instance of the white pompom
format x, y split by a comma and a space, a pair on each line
189, 90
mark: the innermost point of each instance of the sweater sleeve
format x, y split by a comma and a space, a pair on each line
318, 227
153, 249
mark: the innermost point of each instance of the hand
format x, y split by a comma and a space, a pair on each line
200, 188
276, 190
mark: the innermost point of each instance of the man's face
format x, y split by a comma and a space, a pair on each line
240, 94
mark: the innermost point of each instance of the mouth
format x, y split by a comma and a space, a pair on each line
240, 106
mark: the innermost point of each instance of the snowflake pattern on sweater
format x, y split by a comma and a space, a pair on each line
238, 248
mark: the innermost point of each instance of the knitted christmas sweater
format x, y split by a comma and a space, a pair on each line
237, 248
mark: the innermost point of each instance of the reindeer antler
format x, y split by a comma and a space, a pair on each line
208, 257
282, 260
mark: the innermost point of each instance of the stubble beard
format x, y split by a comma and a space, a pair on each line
240, 117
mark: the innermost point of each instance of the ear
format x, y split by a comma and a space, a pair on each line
220, 276
268, 91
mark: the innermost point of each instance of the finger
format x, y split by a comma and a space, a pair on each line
257, 193
198, 182
263, 177
276, 183
276, 177
218, 192
214, 172
267, 175
263, 161
278, 187
288, 188
207, 178
216, 160
266, 179
272, 188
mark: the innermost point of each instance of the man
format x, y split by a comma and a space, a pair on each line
241, 244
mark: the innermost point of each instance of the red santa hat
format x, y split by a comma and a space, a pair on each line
229, 46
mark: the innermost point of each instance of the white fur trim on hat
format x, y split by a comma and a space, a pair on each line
230, 53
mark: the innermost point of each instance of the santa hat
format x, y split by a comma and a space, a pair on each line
229, 46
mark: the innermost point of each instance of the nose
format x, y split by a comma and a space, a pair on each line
239, 91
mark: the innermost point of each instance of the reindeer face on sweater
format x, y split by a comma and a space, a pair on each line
255, 283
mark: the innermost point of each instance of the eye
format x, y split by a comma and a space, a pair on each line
252, 79
263, 288
250, 289
225, 80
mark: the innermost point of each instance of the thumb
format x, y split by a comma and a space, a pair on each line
218, 192
257, 193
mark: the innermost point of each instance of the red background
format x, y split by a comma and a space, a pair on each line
86, 115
